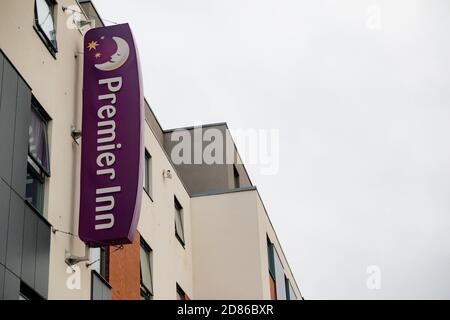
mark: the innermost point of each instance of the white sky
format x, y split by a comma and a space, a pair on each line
363, 110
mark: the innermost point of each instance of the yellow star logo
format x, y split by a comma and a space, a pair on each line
92, 45
98, 55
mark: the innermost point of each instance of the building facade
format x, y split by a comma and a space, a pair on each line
203, 233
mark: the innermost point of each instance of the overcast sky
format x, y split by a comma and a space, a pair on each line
360, 91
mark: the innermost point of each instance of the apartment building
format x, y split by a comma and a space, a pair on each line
203, 231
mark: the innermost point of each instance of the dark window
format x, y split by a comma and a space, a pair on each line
272, 274
287, 285
179, 227
44, 22
148, 173
104, 262
290, 293
38, 138
180, 293
146, 271
35, 188
38, 168
271, 256
237, 183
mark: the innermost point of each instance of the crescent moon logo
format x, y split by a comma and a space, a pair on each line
119, 58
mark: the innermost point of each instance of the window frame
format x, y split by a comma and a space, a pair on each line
181, 293
52, 48
38, 171
290, 292
36, 107
146, 293
236, 177
38, 176
271, 258
104, 262
279, 275
179, 210
148, 185
287, 285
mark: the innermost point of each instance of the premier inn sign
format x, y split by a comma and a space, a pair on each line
112, 137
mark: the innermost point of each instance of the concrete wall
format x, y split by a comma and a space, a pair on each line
198, 177
227, 259
203, 177
266, 230
172, 263
244, 178
153, 123
230, 247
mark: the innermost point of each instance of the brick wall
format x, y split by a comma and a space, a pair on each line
124, 271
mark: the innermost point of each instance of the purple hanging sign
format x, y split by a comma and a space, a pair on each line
112, 137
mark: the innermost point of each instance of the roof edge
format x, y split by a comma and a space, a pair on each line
220, 192
206, 125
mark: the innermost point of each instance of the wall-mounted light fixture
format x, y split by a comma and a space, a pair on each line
79, 18
73, 260
76, 134
167, 174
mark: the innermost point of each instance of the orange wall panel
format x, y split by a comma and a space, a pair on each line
125, 271
273, 288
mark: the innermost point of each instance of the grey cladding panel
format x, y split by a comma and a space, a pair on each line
97, 290
107, 294
1, 74
7, 116
42, 258
23, 113
29, 247
15, 234
5, 195
100, 291
11, 286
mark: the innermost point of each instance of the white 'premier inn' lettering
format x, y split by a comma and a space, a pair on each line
106, 136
